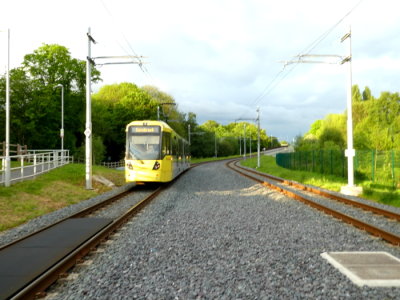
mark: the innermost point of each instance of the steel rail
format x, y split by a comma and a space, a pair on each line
86, 211
364, 206
81, 213
387, 236
40, 284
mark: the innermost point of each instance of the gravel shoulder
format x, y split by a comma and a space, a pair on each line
217, 235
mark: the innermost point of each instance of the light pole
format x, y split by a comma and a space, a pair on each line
250, 142
215, 144
189, 133
8, 162
62, 119
158, 110
258, 136
244, 143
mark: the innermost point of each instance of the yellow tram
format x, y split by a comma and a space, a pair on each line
154, 152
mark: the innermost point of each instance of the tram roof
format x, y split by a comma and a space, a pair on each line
150, 123
164, 126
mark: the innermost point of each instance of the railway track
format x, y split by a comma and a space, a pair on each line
48, 270
86, 232
361, 213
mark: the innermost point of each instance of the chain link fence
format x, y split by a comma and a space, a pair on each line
378, 166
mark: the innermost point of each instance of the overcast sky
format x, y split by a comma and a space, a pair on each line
222, 58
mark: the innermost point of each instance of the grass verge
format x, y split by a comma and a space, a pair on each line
371, 191
51, 191
199, 160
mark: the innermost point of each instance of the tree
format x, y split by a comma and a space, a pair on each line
375, 121
307, 143
36, 104
227, 146
202, 143
356, 94
116, 105
367, 94
21, 95
316, 128
210, 125
333, 136
52, 64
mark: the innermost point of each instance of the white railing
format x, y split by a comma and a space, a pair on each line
114, 164
34, 163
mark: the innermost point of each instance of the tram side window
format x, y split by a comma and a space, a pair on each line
174, 146
166, 144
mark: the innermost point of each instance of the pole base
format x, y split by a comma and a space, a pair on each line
351, 190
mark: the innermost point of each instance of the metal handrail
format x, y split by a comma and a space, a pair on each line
34, 163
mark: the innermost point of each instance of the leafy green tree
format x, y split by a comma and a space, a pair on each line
367, 94
52, 64
210, 125
21, 115
356, 94
114, 106
316, 127
98, 151
333, 136
36, 104
307, 143
375, 122
159, 96
202, 143
227, 146
379, 129
228, 136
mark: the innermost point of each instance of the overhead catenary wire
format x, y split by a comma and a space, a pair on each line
129, 53
280, 76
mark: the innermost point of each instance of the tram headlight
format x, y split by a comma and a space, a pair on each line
156, 165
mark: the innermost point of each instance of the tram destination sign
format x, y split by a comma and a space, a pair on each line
144, 129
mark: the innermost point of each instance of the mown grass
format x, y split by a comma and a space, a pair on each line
371, 191
199, 160
51, 191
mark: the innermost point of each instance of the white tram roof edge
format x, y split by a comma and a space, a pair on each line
154, 123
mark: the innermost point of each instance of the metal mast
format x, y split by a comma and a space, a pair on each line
88, 130
8, 162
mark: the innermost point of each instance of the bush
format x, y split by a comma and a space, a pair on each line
98, 151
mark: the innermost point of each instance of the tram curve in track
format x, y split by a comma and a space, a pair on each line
302, 193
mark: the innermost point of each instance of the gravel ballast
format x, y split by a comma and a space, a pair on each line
379, 221
217, 235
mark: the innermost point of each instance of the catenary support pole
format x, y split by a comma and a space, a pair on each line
8, 162
189, 133
244, 138
258, 137
350, 153
88, 130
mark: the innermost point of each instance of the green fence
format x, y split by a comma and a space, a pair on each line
377, 166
